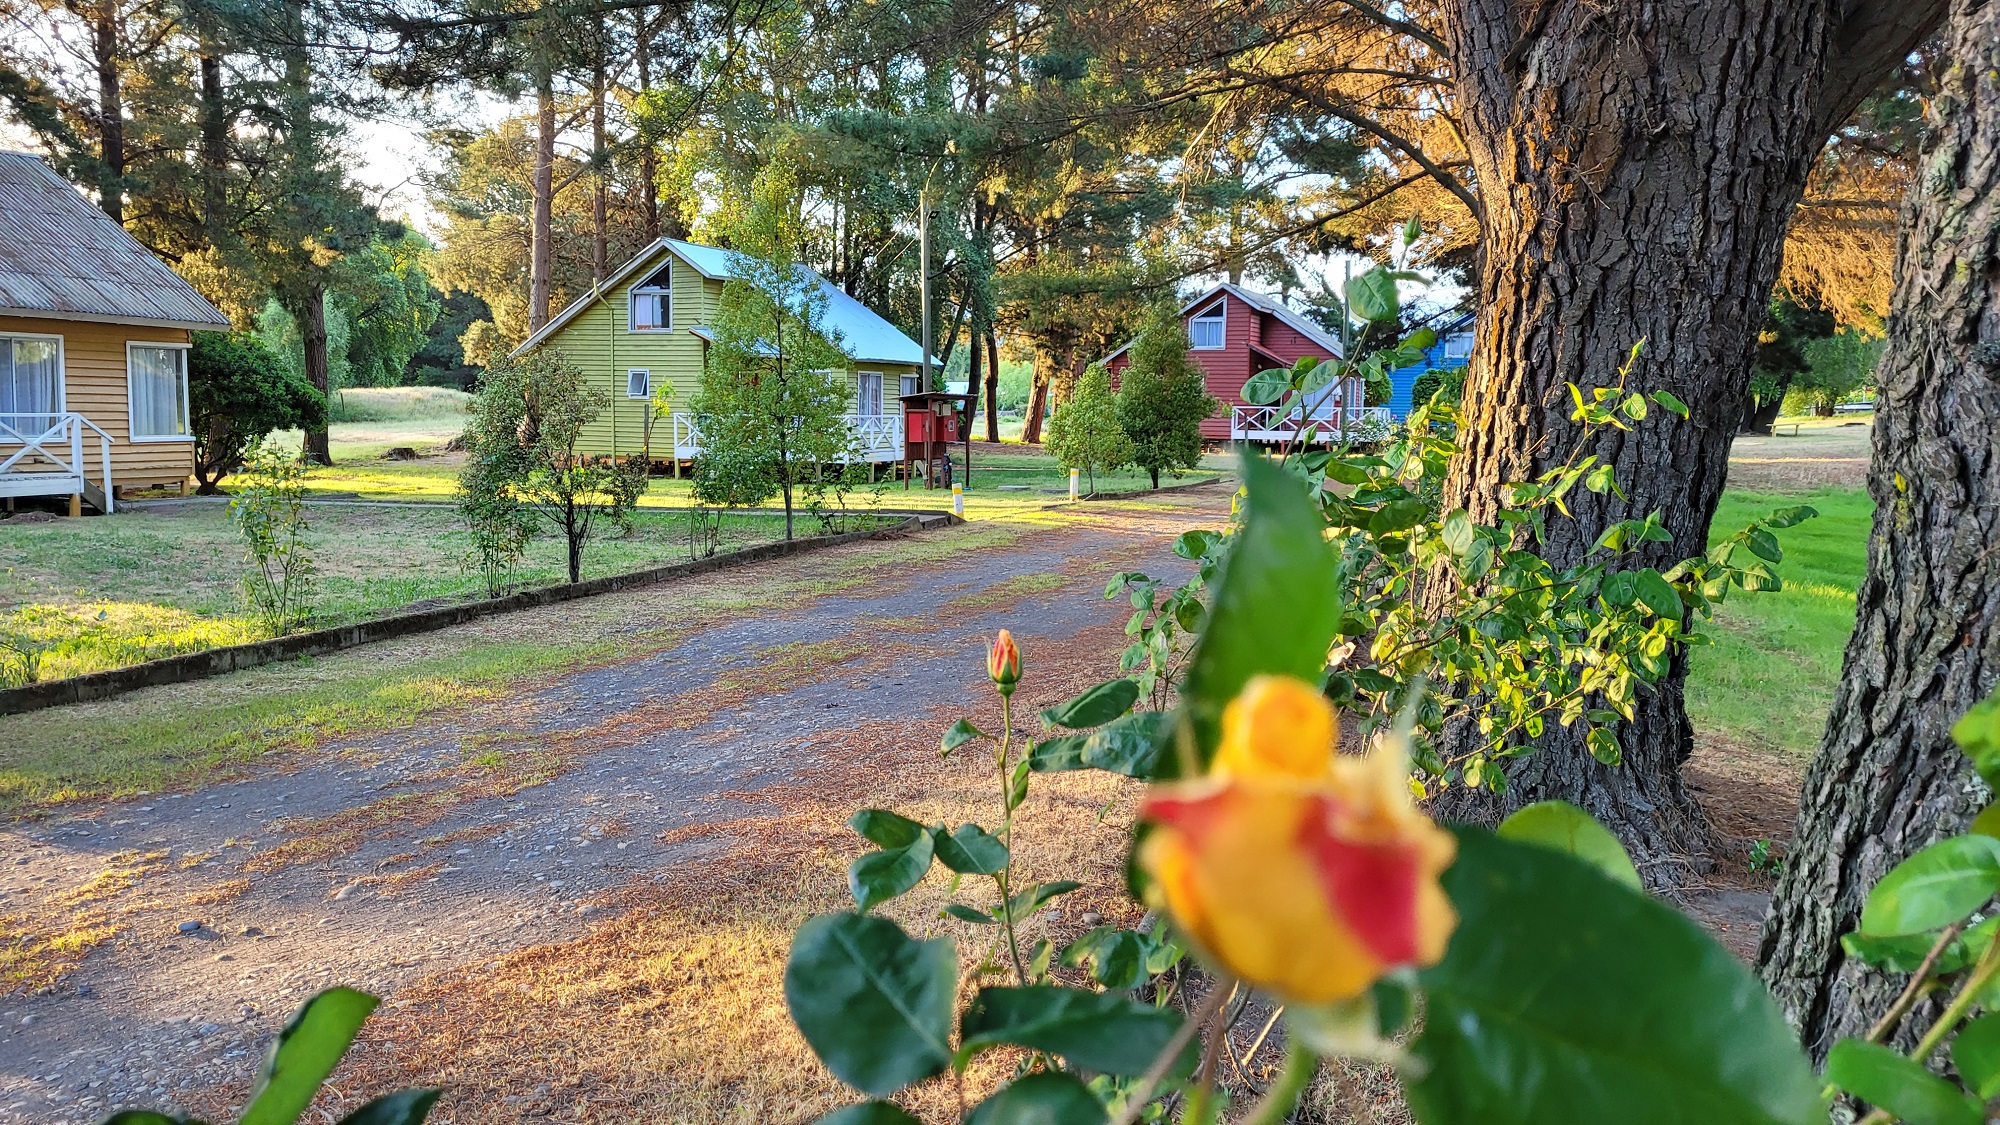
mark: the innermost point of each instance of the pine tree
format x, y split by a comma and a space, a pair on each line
1163, 398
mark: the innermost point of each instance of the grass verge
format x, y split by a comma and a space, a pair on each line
1768, 677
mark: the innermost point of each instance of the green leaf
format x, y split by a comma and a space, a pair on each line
1106, 1032
1897, 1083
1566, 997
146, 1117
1095, 707
1041, 1099
1117, 957
1978, 736
1987, 823
1457, 531
960, 733
1566, 828
1635, 407
1975, 1051
885, 829
1657, 594
1791, 517
1670, 403
1026, 902
1620, 588
970, 850
1764, 545
869, 1113
1603, 746
873, 1003
1601, 479
404, 1107
967, 914
1903, 953
306, 1052
1266, 387
1276, 605
879, 876
1136, 745
1932, 889
1398, 515
1017, 785
1372, 296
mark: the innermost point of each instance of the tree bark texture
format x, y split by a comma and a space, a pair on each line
1637, 166
1926, 646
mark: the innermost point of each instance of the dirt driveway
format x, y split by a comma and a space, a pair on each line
388, 857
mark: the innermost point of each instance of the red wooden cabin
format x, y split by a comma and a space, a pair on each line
1234, 333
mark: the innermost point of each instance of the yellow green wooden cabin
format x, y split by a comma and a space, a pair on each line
645, 329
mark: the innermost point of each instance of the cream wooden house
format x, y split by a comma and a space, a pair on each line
94, 337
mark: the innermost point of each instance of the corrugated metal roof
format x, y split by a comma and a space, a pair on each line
863, 335
62, 257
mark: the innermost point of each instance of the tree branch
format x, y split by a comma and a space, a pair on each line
1436, 171
1401, 27
1873, 37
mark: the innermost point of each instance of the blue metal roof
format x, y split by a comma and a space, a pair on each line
861, 333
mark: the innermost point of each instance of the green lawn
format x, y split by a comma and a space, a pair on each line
1013, 481
1769, 677
149, 583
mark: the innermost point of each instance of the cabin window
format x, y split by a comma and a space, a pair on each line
910, 384
869, 392
653, 302
1205, 327
638, 383
156, 383
31, 389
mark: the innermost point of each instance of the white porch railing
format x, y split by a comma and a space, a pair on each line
50, 459
872, 437
1327, 414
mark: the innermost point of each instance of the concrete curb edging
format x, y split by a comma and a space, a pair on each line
220, 661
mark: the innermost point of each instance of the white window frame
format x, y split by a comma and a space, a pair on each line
910, 384
62, 371
644, 374
1218, 313
187, 412
860, 400
666, 295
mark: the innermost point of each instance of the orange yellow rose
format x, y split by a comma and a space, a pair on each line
1305, 872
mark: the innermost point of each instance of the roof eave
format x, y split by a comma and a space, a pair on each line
110, 318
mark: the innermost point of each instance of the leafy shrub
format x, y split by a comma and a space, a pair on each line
269, 510
1448, 381
523, 467
1085, 433
239, 391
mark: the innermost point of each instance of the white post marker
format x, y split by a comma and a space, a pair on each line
958, 500
1073, 474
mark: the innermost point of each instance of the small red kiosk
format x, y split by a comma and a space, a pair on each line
931, 423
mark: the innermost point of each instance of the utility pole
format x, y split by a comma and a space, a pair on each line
924, 273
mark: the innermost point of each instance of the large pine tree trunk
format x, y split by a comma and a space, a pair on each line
110, 111
541, 222
1926, 646
1636, 166
310, 313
